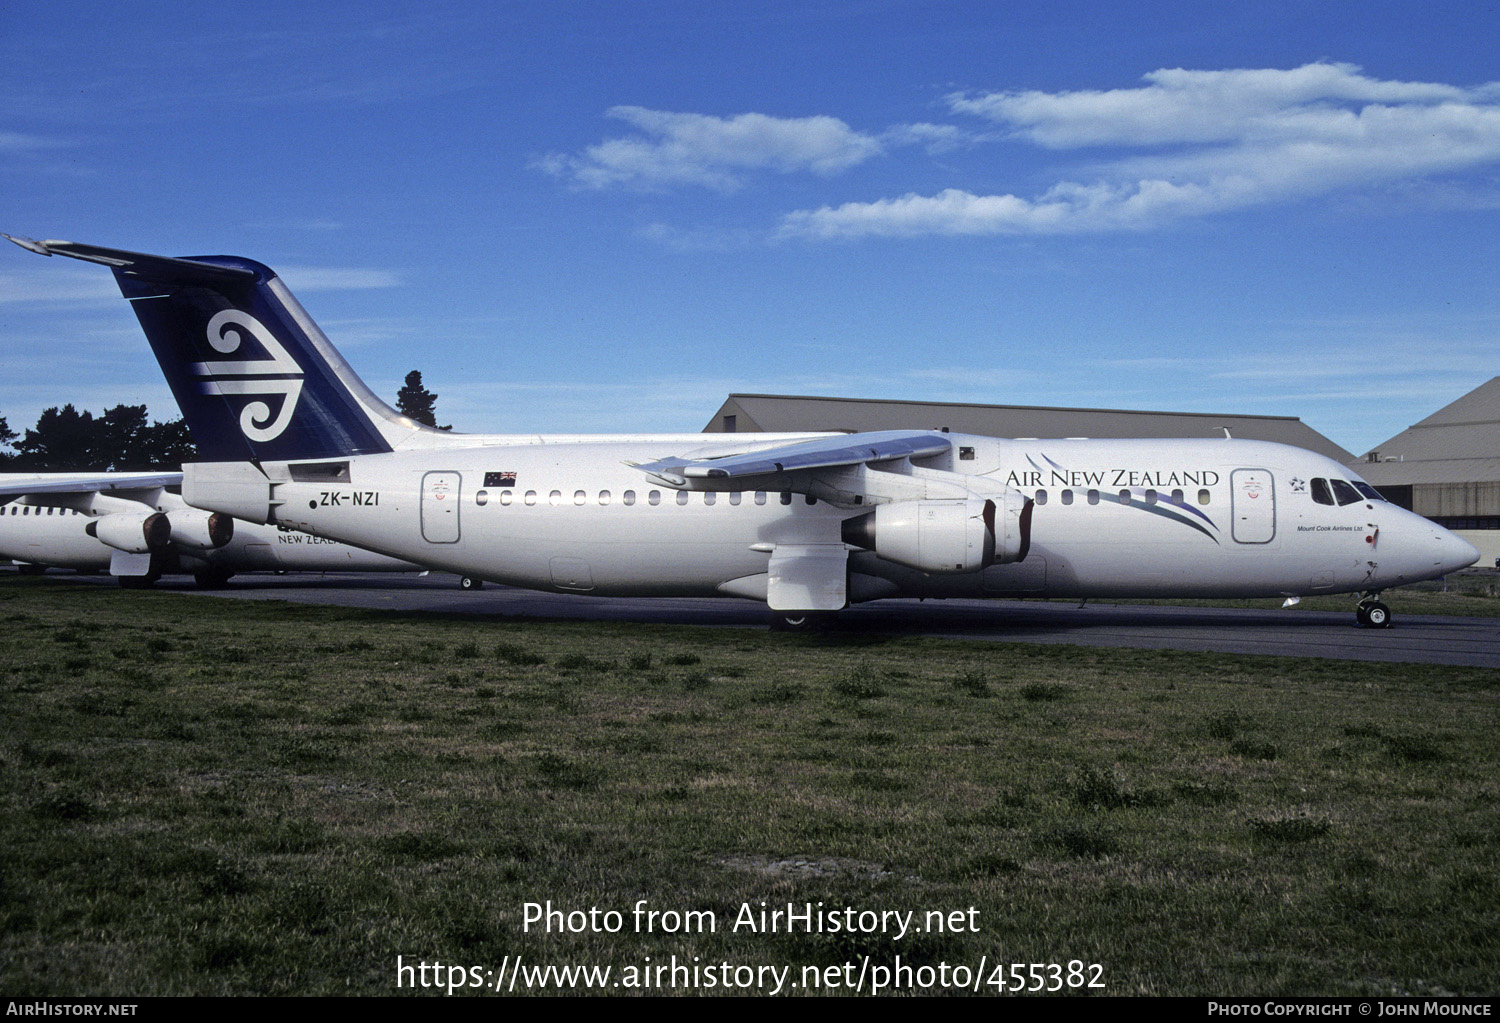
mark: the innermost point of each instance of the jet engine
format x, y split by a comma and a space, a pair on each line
201, 530
947, 537
141, 532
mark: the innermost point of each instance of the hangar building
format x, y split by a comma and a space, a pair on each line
1447, 467
782, 413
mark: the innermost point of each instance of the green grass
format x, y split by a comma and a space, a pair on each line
221, 797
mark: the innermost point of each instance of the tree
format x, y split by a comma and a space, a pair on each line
119, 440
63, 441
417, 403
6, 436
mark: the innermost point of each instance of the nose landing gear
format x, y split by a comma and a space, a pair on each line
1371, 613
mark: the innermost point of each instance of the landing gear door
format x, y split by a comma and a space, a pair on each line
1253, 493
440, 493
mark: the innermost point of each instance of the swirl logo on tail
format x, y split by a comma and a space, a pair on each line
278, 375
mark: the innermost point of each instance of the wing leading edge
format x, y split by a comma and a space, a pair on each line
823, 453
13, 486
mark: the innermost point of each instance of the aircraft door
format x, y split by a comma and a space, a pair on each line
440, 493
1253, 498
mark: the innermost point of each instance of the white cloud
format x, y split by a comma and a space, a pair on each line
1204, 142
332, 278
699, 149
14, 142
66, 284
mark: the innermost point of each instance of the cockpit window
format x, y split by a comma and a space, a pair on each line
1370, 492
1345, 493
1320, 492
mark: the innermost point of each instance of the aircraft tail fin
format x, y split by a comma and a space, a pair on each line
255, 377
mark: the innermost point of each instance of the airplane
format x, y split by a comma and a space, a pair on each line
807, 523
130, 524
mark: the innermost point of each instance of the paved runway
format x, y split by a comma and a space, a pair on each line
1293, 633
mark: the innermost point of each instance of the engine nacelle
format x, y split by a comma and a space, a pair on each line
200, 530
142, 532
944, 536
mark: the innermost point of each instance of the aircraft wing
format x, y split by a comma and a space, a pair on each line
14, 485
823, 453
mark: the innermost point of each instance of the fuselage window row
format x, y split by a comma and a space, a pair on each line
627, 498
1124, 497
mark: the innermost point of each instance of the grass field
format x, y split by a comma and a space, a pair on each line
224, 797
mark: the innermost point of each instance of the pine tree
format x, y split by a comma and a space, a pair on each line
417, 403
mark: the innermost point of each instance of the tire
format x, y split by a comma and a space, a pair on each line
469, 582
801, 621
211, 579
1378, 616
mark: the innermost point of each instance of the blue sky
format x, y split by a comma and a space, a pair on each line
608, 216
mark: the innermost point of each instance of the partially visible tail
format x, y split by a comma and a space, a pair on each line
255, 377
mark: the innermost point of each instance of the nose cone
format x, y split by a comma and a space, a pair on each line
1454, 552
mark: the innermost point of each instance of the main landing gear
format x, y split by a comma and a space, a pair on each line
470, 582
1371, 613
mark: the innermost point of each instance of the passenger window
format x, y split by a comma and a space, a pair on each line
555, 498
1150, 497
654, 498
1176, 497
710, 497
734, 497
1093, 497
530, 497
1320, 492
604, 497
1124, 497
682, 497
505, 497
482, 498
1067, 497
760, 497
1203, 497
579, 496
628, 497
810, 499
1041, 497
1345, 492
786, 497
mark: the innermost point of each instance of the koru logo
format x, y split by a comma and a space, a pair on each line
278, 375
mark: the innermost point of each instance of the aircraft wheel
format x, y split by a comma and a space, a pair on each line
1375, 615
469, 582
801, 621
211, 578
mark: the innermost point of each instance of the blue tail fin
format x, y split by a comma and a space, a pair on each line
254, 376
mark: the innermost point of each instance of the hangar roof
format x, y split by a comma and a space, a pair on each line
1459, 443
785, 413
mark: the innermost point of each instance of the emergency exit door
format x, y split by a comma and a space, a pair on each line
440, 493
1253, 501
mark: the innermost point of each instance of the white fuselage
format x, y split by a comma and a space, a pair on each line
54, 535
1111, 518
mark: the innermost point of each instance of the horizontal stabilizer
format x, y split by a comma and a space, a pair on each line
166, 269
